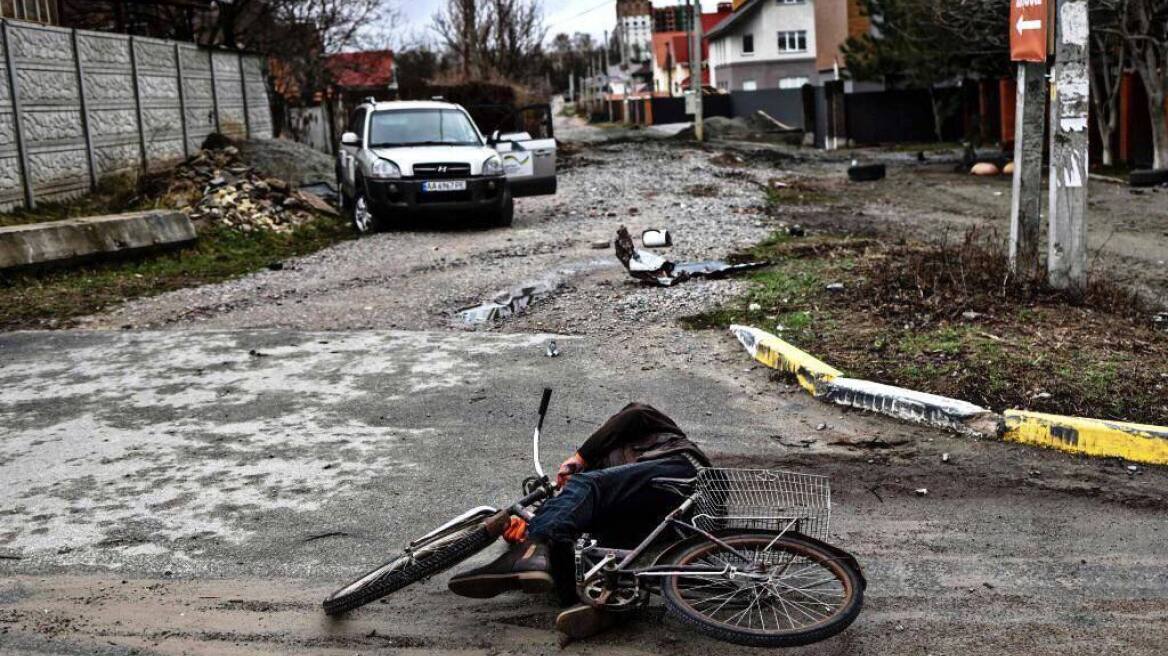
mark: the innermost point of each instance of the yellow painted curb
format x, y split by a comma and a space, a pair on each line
1093, 437
777, 354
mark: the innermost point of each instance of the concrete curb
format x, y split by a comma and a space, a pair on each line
811, 372
73, 240
916, 407
1092, 437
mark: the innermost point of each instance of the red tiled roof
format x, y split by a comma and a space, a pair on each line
362, 70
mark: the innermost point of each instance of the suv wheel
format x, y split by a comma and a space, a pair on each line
364, 221
505, 215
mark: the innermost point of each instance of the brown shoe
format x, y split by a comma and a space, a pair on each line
524, 567
583, 621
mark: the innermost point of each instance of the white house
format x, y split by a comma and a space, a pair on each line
765, 44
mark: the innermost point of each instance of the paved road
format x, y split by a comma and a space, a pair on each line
198, 486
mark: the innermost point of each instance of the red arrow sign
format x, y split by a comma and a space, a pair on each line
1028, 20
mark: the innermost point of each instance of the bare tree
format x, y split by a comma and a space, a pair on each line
1109, 59
493, 38
1143, 25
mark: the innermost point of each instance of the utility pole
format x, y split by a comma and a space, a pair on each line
1067, 242
1028, 29
695, 75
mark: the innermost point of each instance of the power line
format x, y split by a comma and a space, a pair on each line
586, 11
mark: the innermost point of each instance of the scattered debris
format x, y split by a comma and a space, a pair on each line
944, 457
970, 315
728, 160
653, 268
600, 245
552, 351
506, 303
779, 125
796, 231
1160, 321
835, 287
321, 536
923, 491
656, 238
754, 307
217, 186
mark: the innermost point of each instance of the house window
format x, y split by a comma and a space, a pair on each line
793, 82
749, 85
39, 11
748, 44
795, 41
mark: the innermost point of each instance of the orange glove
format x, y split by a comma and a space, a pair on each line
516, 531
571, 466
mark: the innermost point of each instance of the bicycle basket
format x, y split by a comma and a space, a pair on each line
763, 499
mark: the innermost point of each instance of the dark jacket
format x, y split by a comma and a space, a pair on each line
638, 432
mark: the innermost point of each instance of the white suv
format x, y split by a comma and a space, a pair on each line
402, 158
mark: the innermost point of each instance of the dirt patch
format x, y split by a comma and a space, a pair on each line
952, 320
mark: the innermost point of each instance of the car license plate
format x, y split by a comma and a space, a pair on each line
444, 185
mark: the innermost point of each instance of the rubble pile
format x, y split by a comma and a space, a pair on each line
218, 187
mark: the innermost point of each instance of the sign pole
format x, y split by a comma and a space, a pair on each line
1029, 138
1067, 243
1029, 46
695, 73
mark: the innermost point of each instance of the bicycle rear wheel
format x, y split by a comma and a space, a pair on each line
793, 592
409, 568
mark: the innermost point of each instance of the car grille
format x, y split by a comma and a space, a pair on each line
439, 170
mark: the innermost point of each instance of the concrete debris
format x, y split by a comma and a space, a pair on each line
223, 190
650, 267
506, 303
656, 238
917, 407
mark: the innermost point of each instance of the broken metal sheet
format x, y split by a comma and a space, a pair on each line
909, 405
653, 268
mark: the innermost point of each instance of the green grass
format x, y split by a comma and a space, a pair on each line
115, 194
52, 298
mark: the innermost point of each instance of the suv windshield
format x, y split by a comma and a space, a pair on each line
422, 127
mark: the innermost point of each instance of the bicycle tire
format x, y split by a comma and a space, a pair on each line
388, 579
851, 579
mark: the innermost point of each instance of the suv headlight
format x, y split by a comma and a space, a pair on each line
493, 166
384, 169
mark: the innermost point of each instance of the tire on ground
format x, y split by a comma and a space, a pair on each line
867, 172
448, 556
1148, 177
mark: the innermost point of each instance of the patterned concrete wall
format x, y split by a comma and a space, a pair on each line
137, 106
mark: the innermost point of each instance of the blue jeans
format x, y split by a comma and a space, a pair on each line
616, 503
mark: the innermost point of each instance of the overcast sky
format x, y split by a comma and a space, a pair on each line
592, 16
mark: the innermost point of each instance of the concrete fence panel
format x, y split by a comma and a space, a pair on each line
77, 106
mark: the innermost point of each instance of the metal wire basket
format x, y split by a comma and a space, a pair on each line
763, 499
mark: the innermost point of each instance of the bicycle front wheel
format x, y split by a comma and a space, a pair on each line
791, 592
409, 568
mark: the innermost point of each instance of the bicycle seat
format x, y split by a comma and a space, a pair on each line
681, 486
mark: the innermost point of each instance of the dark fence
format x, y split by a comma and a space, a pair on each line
785, 105
902, 115
672, 110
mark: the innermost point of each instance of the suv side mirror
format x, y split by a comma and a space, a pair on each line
350, 139
494, 138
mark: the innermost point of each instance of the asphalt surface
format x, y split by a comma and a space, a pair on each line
198, 486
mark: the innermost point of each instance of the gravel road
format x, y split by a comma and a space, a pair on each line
197, 483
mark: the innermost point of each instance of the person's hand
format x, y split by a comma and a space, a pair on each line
571, 466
